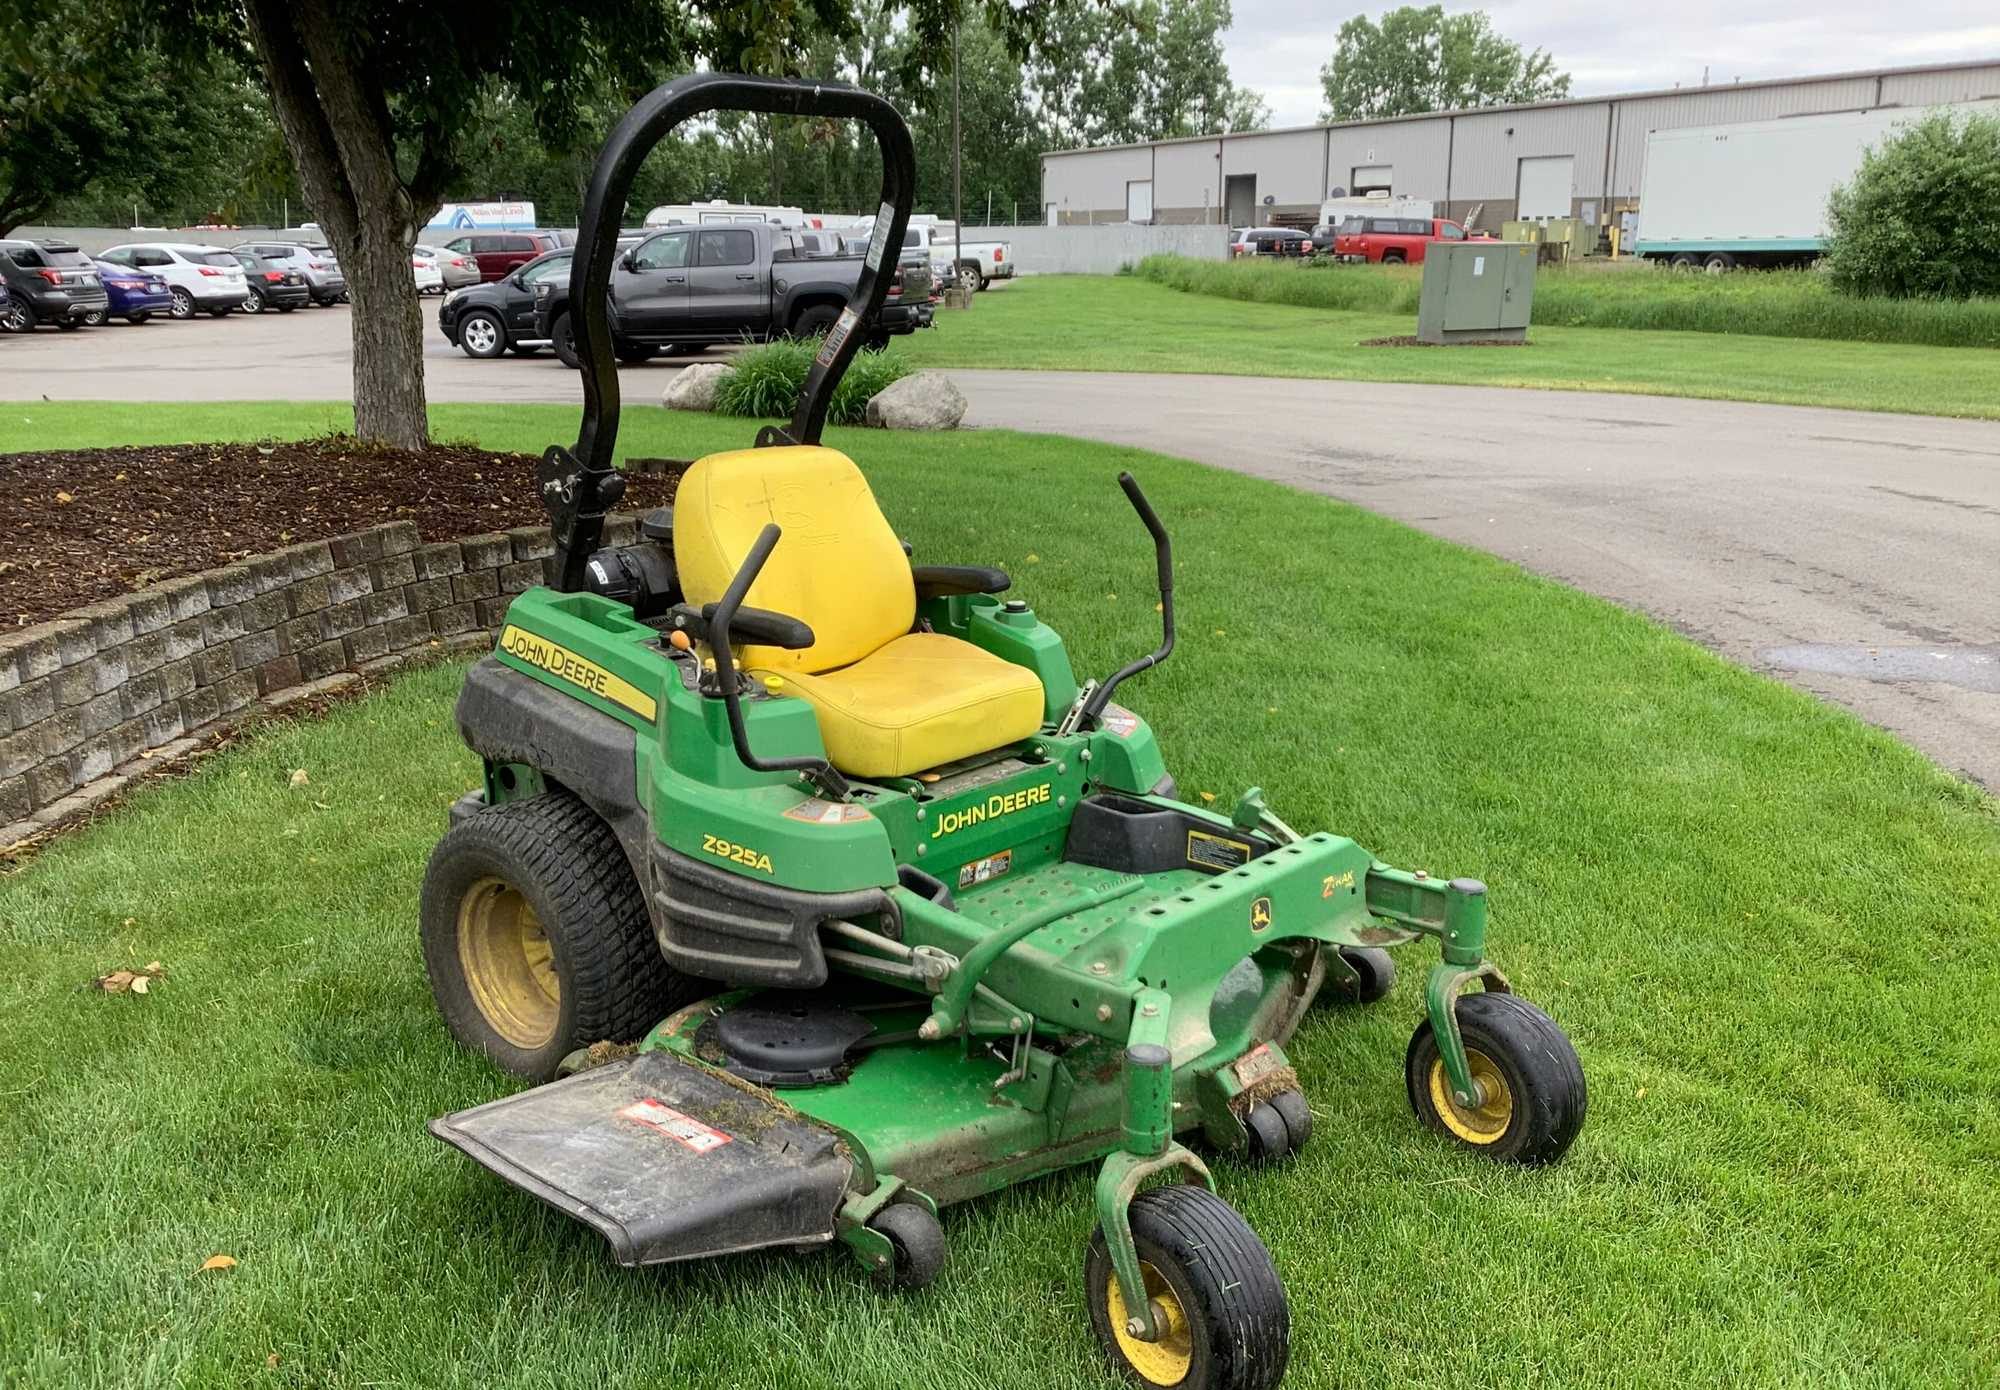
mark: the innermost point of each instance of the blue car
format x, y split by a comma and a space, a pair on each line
136, 295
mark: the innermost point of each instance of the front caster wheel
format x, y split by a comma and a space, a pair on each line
918, 1241
1220, 1309
1532, 1095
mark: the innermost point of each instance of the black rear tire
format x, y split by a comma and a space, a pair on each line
1537, 1106
564, 341
138, 318
814, 320
482, 335
1233, 1328
69, 325
17, 317
579, 966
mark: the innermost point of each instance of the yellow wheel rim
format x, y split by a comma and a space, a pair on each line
1166, 1361
508, 963
1482, 1124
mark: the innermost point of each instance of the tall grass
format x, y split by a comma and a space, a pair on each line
765, 382
1778, 303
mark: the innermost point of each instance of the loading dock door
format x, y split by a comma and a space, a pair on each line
1372, 178
1239, 200
1545, 189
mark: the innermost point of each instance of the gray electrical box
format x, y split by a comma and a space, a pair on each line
1476, 291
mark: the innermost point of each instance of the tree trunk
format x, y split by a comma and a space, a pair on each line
388, 332
337, 128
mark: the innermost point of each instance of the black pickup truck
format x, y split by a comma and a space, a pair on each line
686, 287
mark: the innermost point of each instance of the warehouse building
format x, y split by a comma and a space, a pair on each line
1582, 157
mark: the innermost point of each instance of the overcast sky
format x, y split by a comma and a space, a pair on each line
1279, 46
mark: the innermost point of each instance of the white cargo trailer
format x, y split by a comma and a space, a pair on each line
1755, 193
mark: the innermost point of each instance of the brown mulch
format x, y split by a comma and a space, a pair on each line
1411, 340
89, 524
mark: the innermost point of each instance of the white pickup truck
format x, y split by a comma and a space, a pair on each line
978, 261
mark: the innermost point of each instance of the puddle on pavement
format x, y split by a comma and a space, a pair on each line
1975, 668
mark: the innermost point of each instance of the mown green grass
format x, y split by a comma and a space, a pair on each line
1772, 304
1770, 930
1125, 324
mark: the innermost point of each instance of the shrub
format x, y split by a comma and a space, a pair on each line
1921, 217
765, 382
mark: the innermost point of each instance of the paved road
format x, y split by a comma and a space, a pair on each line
1855, 555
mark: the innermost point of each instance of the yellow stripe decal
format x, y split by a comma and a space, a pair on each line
565, 664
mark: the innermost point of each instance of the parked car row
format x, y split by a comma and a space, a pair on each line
56, 282
683, 288
1390, 240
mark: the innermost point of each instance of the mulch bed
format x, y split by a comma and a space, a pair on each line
1411, 340
89, 524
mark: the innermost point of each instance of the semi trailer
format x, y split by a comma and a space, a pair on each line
1755, 193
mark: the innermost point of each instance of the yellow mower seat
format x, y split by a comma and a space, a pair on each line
890, 702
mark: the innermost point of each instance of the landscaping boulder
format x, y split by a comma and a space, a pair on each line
693, 388
921, 401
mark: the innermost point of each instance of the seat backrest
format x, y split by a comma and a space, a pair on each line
838, 567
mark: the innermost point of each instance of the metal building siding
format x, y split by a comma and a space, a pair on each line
1184, 176
1094, 180
1415, 149
1721, 106
1290, 166
1931, 88
1486, 159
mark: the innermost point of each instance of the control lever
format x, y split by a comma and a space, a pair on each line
720, 616
1163, 554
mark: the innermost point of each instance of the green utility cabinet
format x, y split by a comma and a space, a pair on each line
1476, 291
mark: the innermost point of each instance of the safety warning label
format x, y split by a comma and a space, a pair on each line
682, 1129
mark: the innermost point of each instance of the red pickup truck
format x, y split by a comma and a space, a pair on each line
1396, 240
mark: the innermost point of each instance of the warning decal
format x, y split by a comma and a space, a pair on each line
682, 1129
1218, 852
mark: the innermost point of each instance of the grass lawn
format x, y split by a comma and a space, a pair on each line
1126, 324
1770, 930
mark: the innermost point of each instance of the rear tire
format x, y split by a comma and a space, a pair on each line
970, 268
564, 341
1394, 258
1228, 1325
183, 305
536, 937
254, 304
95, 318
138, 318
814, 320
17, 317
223, 312
69, 325
1719, 263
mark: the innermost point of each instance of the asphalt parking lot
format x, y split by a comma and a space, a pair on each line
1852, 554
301, 356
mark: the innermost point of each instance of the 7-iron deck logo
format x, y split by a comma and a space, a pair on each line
996, 805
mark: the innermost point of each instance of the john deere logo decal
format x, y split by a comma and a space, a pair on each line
1260, 914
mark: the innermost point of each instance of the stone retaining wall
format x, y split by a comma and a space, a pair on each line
93, 698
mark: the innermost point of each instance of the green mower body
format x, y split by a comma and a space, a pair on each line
780, 1003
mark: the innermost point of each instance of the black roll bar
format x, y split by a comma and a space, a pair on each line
579, 484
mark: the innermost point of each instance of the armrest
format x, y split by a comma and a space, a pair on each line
944, 581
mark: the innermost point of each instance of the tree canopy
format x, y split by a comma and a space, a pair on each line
1149, 70
1921, 216
1422, 59
91, 111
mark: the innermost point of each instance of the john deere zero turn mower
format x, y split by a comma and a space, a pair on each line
897, 910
